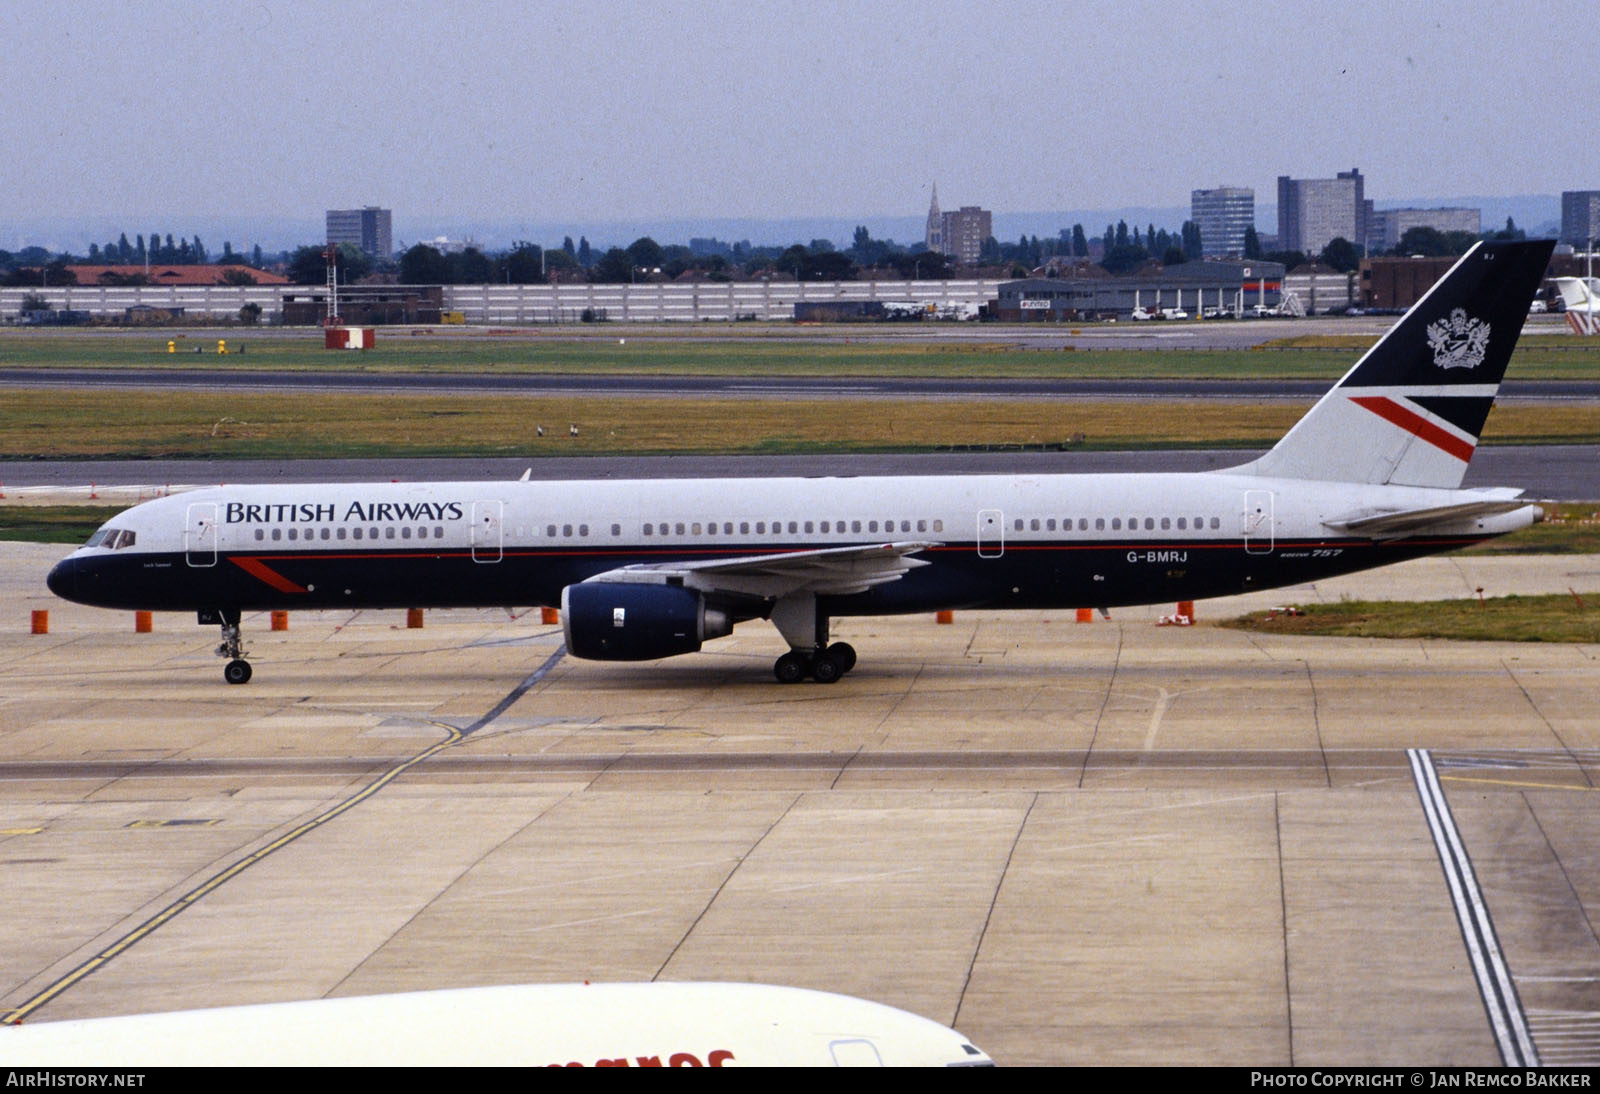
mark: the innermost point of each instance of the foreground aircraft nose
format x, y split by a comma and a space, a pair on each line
63, 579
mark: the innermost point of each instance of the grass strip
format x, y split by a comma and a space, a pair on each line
772, 350
51, 523
102, 424
1565, 617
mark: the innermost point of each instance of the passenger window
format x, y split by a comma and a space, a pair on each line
1166, 522
1215, 523
583, 529
355, 533
294, 533
1183, 522
1050, 525
872, 526
647, 528
405, 533
438, 531
1116, 524
794, 527
616, 529
694, 529
388, 533
1083, 524
680, 528
566, 531
1149, 524
1033, 525
922, 526
905, 526
727, 527
341, 533
938, 525
808, 527
550, 531
1099, 524
325, 534
263, 535
855, 526
744, 528
277, 534
1017, 525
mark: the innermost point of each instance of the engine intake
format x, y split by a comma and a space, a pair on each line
619, 621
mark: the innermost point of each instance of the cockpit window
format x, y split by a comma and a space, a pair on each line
111, 539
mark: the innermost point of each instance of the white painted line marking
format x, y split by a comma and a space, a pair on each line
1477, 928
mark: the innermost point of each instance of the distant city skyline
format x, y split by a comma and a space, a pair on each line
159, 113
1537, 213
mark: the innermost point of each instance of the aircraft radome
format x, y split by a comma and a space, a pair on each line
561, 1025
648, 569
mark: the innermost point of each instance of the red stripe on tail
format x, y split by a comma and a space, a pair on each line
1417, 426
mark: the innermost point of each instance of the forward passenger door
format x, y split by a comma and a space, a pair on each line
488, 534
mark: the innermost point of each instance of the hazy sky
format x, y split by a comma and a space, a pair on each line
589, 109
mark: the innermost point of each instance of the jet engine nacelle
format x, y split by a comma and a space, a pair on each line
624, 621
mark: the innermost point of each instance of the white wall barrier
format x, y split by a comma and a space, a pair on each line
506, 305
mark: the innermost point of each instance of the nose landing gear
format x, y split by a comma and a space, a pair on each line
237, 670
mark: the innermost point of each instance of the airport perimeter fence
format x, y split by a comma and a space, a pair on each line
517, 305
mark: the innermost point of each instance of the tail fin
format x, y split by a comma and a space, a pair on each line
1411, 409
1583, 309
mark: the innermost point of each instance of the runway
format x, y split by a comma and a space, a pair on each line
1103, 843
619, 385
1552, 472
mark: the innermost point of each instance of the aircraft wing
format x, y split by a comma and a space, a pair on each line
832, 571
1409, 521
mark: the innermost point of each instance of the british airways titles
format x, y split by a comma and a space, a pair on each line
238, 512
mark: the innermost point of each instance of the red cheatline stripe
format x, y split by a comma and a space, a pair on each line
1416, 425
258, 569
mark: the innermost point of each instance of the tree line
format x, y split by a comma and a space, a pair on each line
1120, 249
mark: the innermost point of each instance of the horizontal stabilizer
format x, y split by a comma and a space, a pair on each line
1411, 521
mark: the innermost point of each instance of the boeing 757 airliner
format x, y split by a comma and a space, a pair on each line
648, 569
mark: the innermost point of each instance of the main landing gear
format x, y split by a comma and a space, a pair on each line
825, 666
806, 630
237, 670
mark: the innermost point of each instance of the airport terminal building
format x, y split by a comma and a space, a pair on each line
1193, 286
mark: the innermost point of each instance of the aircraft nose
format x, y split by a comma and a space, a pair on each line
62, 579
